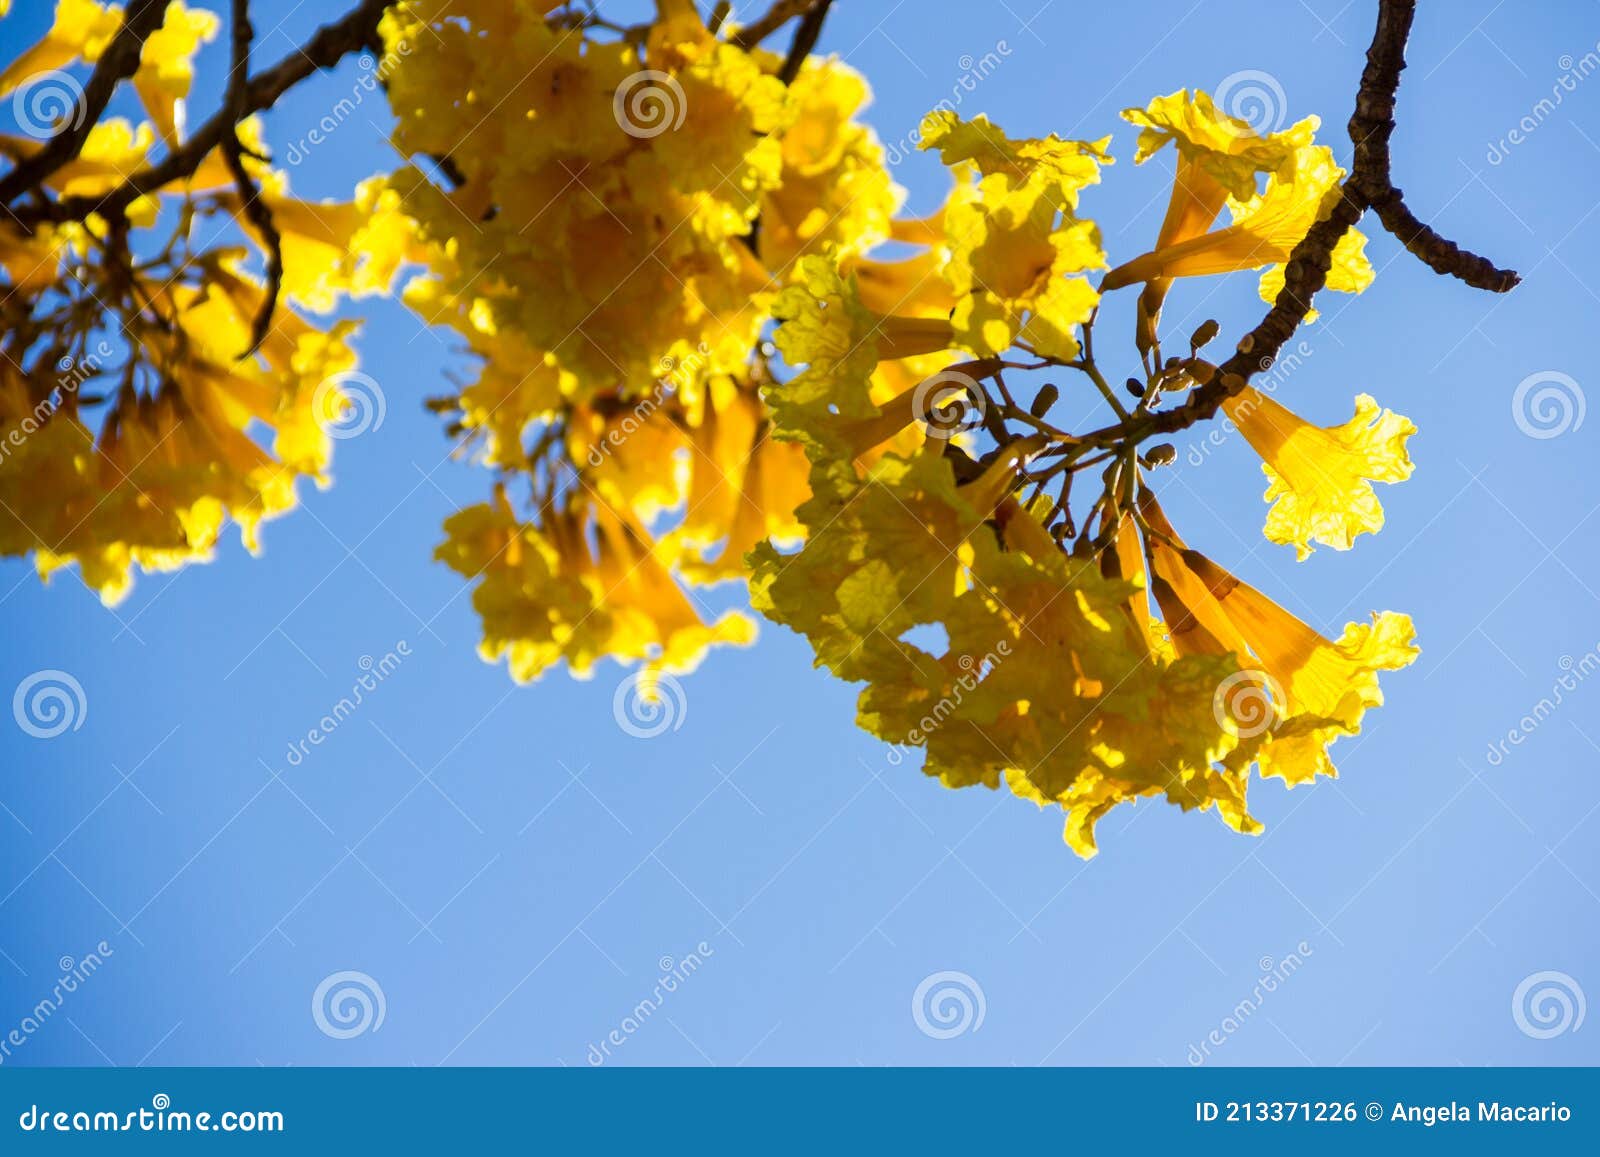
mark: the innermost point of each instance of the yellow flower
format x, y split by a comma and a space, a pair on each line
902, 545
166, 66
831, 407
743, 485
834, 191
1014, 244
172, 464
1011, 278
605, 240
1321, 477
1215, 151
546, 595
1264, 232
333, 249
1320, 689
1219, 156
82, 29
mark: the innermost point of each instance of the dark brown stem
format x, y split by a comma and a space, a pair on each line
1367, 186
251, 205
326, 48
1370, 129
776, 17
805, 39
119, 61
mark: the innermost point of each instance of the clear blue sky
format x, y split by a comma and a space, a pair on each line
511, 868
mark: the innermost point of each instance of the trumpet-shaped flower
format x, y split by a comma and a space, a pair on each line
1321, 477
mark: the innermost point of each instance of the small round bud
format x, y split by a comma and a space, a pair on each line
1044, 399
1163, 455
1135, 387
1207, 331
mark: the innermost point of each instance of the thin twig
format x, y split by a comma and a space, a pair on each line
255, 210
777, 16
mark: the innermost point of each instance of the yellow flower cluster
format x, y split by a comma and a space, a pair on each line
1091, 679
608, 233
611, 219
131, 425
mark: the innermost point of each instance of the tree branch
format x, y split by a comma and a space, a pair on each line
1367, 186
805, 39
253, 208
326, 48
119, 61
1370, 129
781, 12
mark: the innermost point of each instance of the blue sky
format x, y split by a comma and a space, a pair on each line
516, 873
